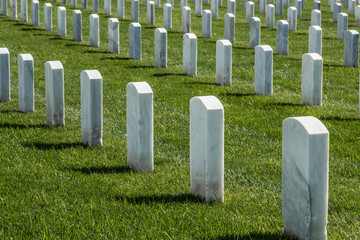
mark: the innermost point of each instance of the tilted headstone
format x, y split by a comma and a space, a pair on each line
206, 24
232, 6
121, 8
305, 176
229, 27
262, 6
337, 10
190, 54
140, 129
107, 7
186, 19
279, 7
198, 7
26, 82
254, 33
95, 5
292, 18
150, 13
135, 10
223, 62
351, 7
167, 16
55, 101
77, 25
207, 148
315, 40
357, 16
4, 7
250, 11
270, 16
47, 17
342, 25
351, 48
91, 108
297, 5
83, 4
114, 35
214, 8
94, 30
263, 70
13, 9
160, 48
315, 18
4, 75
24, 10
35, 13
311, 79
282, 37
135, 41
62, 21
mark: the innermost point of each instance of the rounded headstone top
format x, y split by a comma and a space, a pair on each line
209, 102
310, 124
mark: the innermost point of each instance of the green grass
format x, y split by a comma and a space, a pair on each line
52, 187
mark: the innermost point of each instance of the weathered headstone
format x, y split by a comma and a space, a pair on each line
279, 7
337, 10
223, 62
55, 101
254, 33
282, 37
250, 11
13, 9
292, 18
47, 17
206, 24
24, 10
214, 8
351, 7
121, 8
150, 13
135, 41
232, 6
357, 16
107, 7
316, 5
94, 30
91, 108
167, 16
140, 129
35, 13
135, 10
315, 40
305, 177
114, 35
207, 148
190, 54
262, 6
351, 48
263, 70
77, 26
315, 17
4, 7
311, 83
229, 27
186, 19
160, 48
4, 75
26, 82
342, 25
83, 4
297, 5
95, 5
270, 16
62, 21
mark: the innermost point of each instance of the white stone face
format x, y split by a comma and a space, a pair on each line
298, 6
91, 108
121, 8
285, 3
316, 5
150, 12
315, 40
342, 25
282, 37
183, 3
311, 83
107, 7
95, 5
135, 10
24, 10
114, 44
4, 7
346, 5
157, 3
229, 27
167, 16
77, 26
4, 75
351, 48
55, 103
232, 6
305, 171
357, 16
214, 8
144, 2
135, 41
270, 16
279, 7
94, 30
62, 21
13, 9
206, 24
73, 3
190, 54
171, 2
186, 19
140, 131
351, 7
35, 14
26, 83
254, 33
250, 11
223, 62
83, 4
315, 18
292, 18
160, 48
245, 2
262, 6
47, 16
207, 148
263, 70
337, 10
198, 7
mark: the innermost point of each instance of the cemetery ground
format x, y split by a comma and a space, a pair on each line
53, 187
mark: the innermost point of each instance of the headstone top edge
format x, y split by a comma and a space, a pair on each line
209, 102
54, 64
141, 87
311, 125
25, 57
4, 50
92, 74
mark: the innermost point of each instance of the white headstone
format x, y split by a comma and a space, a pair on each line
13, 9
150, 13
190, 54
250, 11
198, 7
285, 3
24, 10
4, 75
183, 3
316, 4
167, 16
292, 18
207, 148
73, 3
357, 16
305, 174
4, 7
35, 14
206, 24
171, 2
77, 26
62, 21
160, 48
315, 18
263, 70
113, 35
342, 25
107, 7
311, 83
254, 33
232, 6
135, 10
157, 3
91, 108
26, 82
140, 130
47, 16
315, 40
144, 2
135, 41
214, 8
345, 3
121, 8
270, 16
351, 7
186, 19
55, 103
298, 6
351, 48
279, 7
223, 62
337, 10
83, 4
282, 37
95, 5
94, 30
262, 6
229, 27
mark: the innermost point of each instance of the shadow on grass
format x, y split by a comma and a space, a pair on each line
335, 65
335, 118
78, 44
202, 83
60, 38
102, 170
285, 104
166, 198
115, 58
22, 126
53, 146
9, 111
149, 27
141, 66
255, 235
168, 74
33, 28
229, 94
94, 51
245, 48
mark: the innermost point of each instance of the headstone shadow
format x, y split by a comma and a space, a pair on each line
53, 146
341, 119
164, 198
168, 74
115, 58
101, 170
254, 236
21, 126
236, 94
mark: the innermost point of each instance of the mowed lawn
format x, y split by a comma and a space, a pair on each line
52, 187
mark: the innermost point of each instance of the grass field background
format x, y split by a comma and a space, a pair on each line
52, 187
